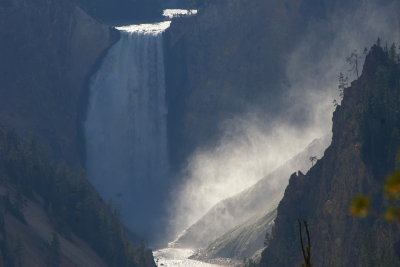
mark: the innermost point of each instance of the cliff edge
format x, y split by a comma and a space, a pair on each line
366, 136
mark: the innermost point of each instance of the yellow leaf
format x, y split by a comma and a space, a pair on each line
392, 213
360, 206
392, 186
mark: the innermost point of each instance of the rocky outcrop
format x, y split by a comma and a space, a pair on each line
48, 50
366, 136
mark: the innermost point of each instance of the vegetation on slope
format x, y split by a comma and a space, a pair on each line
69, 200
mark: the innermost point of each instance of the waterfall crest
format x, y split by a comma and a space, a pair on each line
125, 130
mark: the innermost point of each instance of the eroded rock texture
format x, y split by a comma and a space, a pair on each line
366, 136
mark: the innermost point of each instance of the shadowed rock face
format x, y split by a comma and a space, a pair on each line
123, 11
47, 51
363, 152
227, 60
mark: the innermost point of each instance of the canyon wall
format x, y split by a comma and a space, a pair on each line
48, 50
365, 141
227, 60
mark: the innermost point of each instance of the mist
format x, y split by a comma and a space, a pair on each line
315, 64
249, 150
254, 144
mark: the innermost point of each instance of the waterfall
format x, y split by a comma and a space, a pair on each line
125, 129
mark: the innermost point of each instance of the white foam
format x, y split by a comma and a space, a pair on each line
146, 28
173, 13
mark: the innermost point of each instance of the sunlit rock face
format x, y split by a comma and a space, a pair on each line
241, 242
125, 129
253, 202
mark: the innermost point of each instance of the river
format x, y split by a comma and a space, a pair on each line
177, 257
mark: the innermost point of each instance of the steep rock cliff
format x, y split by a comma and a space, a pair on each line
366, 136
48, 50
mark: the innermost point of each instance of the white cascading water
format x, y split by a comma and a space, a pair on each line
126, 134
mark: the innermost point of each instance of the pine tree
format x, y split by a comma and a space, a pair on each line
353, 62
342, 84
